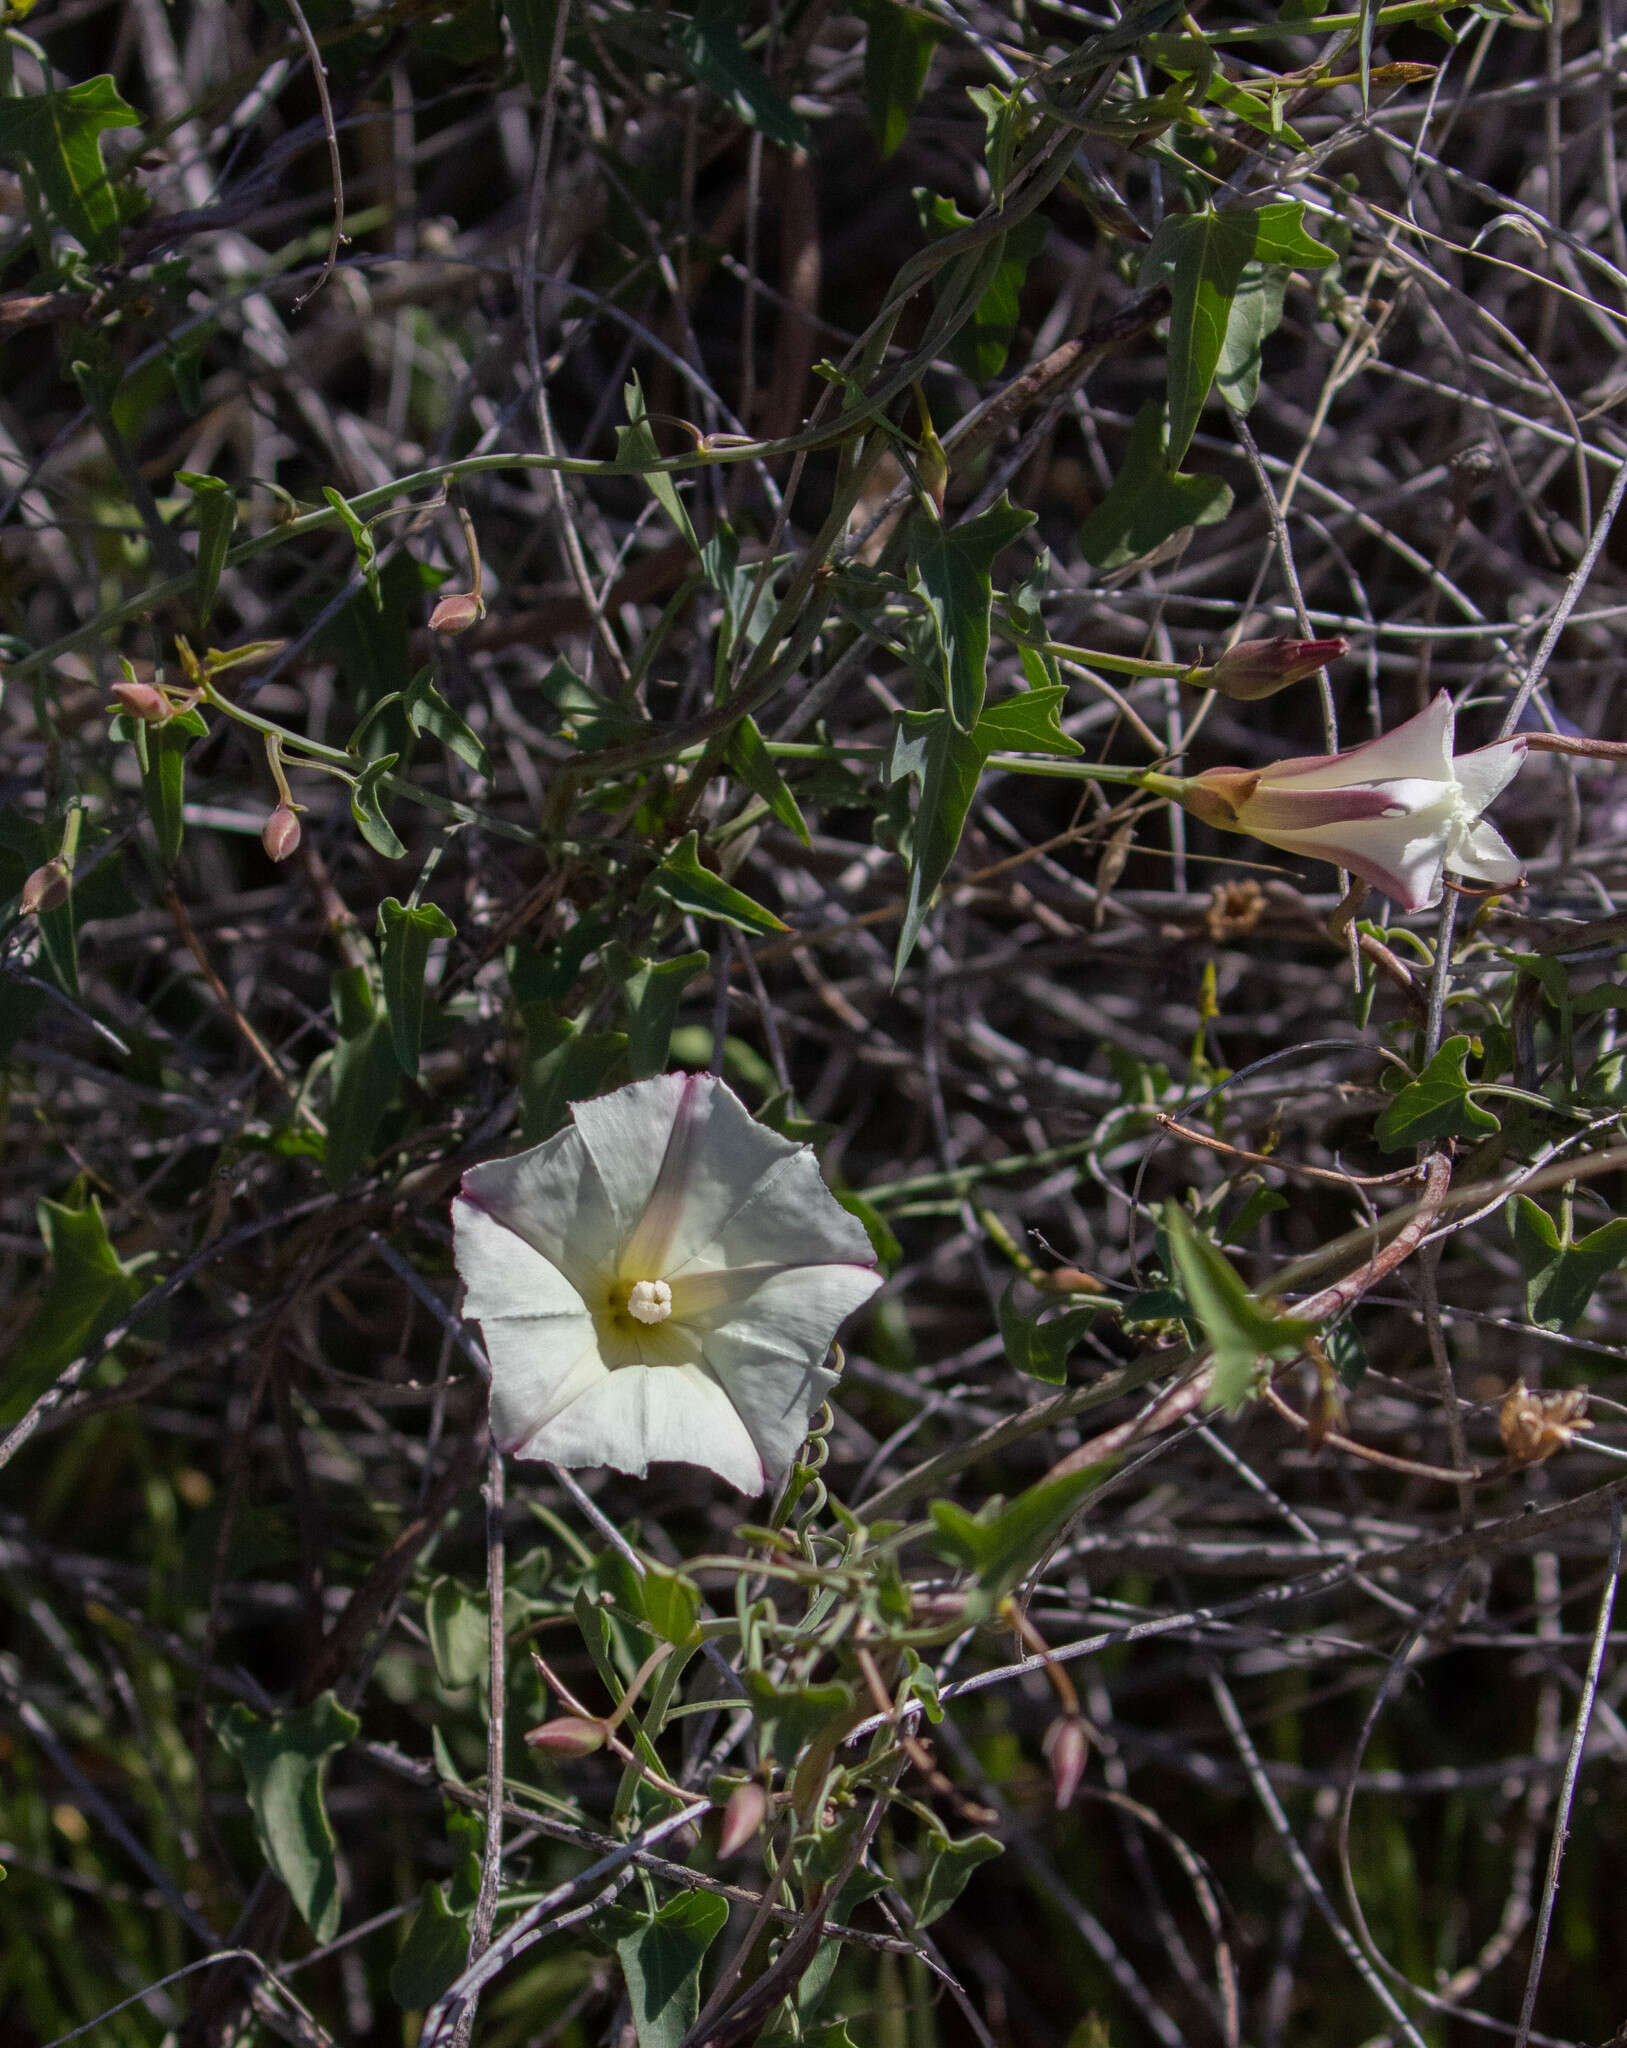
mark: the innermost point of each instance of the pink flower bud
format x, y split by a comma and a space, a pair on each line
457, 613
1067, 1749
281, 833
47, 888
144, 701
1260, 668
743, 1818
567, 1736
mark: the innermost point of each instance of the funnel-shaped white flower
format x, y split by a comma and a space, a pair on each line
661, 1280
1396, 811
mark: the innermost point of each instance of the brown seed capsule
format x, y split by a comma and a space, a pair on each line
1533, 1426
457, 613
281, 833
1067, 1749
568, 1735
144, 701
47, 888
743, 1818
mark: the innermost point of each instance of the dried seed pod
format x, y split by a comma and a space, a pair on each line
1533, 1425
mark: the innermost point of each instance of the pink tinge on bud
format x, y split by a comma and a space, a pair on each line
743, 1818
1067, 1750
47, 889
457, 613
280, 834
144, 701
569, 1735
1259, 668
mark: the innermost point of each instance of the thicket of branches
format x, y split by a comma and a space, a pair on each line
548, 543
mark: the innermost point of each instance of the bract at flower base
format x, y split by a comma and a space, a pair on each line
661, 1280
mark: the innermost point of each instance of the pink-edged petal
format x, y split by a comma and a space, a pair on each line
553, 1198
628, 1134
1487, 772
1420, 749
793, 1309
502, 1274
775, 1396
789, 1218
631, 1417
540, 1365
1403, 855
1484, 855
1271, 810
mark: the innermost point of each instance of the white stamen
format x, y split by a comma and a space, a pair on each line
649, 1301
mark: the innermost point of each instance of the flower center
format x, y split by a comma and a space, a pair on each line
649, 1301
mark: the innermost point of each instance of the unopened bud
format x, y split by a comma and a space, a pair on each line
144, 701
47, 888
743, 1818
1260, 668
457, 613
567, 1736
1067, 1750
280, 834
1069, 1280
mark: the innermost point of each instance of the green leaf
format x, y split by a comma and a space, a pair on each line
670, 1604
1001, 1545
587, 718
661, 1960
89, 1289
433, 1955
980, 345
789, 1717
1347, 1354
681, 881
1148, 502
373, 650
214, 506
284, 1760
161, 752
1026, 724
711, 47
1202, 257
750, 759
366, 547
58, 135
426, 710
368, 811
897, 56
652, 991
1436, 1105
1240, 1330
636, 446
459, 1631
405, 938
1560, 1276
1256, 311
532, 24
564, 1064
947, 763
949, 1867
362, 1080
950, 568
1042, 1349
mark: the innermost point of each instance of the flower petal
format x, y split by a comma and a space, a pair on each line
794, 1309
1488, 771
1483, 854
1403, 855
540, 1365
553, 1198
503, 1274
642, 1413
789, 1218
1418, 749
774, 1395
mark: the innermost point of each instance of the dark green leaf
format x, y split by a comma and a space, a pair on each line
1001, 1545
88, 1290
366, 547
362, 1080
1148, 502
681, 881
1026, 724
1240, 1330
433, 1955
214, 506
889, 1252
670, 1604
982, 342
58, 135
284, 1761
948, 763
897, 56
587, 718
949, 1866
951, 568
652, 991
1436, 1105
1256, 312
161, 755
368, 811
1560, 1277
548, 974
563, 1065
788, 1717
532, 23
459, 1631
1347, 1354
661, 1961
405, 938
426, 710
636, 446
711, 46
373, 650
750, 759
1042, 1349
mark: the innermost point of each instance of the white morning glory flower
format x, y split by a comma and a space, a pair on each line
661, 1280
1397, 811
